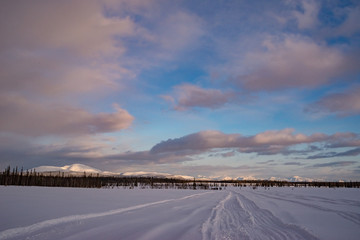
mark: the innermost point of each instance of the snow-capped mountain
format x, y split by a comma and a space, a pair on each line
252, 178
77, 169
300, 179
73, 168
152, 174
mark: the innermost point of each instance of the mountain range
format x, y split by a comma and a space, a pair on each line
79, 169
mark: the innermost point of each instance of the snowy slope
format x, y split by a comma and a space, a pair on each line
155, 174
68, 168
234, 213
79, 169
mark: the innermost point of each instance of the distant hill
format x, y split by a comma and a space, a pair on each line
79, 169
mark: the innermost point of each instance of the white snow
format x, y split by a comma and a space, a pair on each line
234, 213
155, 174
79, 169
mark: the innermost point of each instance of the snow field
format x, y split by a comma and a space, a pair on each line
234, 213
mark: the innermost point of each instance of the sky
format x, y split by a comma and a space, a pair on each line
241, 89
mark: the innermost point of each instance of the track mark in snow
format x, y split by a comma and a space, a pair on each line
228, 220
15, 232
350, 216
237, 217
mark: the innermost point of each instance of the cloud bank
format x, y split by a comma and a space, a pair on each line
190, 96
190, 147
265, 143
47, 70
342, 103
294, 61
34, 119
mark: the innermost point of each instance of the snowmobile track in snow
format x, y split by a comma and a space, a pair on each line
20, 231
237, 217
350, 216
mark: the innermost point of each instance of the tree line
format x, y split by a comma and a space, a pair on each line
275, 183
61, 179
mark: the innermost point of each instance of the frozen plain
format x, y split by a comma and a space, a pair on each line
234, 213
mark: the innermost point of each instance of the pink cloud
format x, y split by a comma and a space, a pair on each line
340, 140
183, 149
308, 18
147, 157
173, 34
351, 24
61, 47
286, 137
61, 52
180, 29
57, 77
342, 104
22, 116
64, 25
267, 143
203, 140
188, 96
294, 62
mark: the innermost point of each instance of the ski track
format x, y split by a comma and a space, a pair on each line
16, 232
310, 198
350, 216
237, 217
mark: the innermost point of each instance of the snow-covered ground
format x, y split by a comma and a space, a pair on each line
234, 213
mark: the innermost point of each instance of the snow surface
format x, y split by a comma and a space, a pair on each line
234, 213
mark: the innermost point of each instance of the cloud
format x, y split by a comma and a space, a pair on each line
267, 162
180, 30
343, 139
293, 62
325, 17
190, 96
185, 148
54, 54
342, 103
350, 25
334, 164
267, 143
27, 151
173, 151
351, 152
202, 141
65, 25
223, 154
168, 34
308, 17
323, 155
57, 48
293, 164
25, 117
148, 157
286, 137
228, 154
57, 77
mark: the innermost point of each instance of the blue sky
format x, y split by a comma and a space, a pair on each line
248, 89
